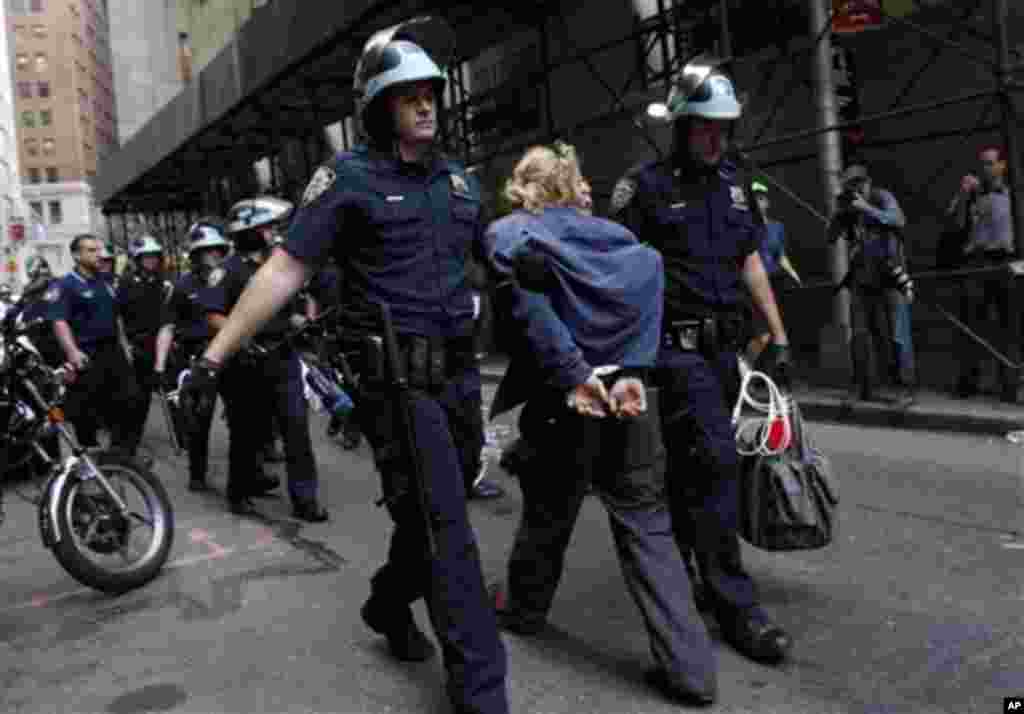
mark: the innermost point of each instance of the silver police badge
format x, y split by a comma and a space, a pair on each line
215, 276
622, 194
52, 294
459, 185
322, 180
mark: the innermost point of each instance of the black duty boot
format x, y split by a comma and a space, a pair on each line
310, 511
752, 633
659, 679
405, 639
242, 507
197, 485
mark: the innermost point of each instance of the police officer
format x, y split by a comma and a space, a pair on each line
184, 324
36, 307
691, 208
83, 307
267, 378
106, 266
401, 220
140, 298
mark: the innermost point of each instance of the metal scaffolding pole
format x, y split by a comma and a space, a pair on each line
1006, 104
831, 159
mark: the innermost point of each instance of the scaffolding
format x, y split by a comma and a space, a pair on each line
283, 121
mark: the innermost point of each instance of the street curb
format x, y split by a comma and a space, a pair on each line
912, 418
971, 418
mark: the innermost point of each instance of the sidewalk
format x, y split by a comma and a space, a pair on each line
933, 411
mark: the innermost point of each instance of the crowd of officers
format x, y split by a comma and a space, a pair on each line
625, 361
626, 369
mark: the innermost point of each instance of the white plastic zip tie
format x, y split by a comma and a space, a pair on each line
758, 430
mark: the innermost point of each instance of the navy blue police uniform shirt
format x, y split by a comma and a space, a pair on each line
400, 233
185, 311
224, 285
89, 307
703, 227
140, 302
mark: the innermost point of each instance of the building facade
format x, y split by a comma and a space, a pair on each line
65, 115
12, 209
144, 38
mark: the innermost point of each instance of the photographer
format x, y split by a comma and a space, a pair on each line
872, 222
981, 209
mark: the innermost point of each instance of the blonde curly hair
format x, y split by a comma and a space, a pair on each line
546, 176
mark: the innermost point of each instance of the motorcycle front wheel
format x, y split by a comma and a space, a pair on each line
98, 545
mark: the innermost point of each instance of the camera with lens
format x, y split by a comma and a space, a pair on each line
844, 201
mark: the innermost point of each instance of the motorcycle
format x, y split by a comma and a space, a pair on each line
107, 519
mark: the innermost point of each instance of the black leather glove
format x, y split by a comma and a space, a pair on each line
777, 362
198, 390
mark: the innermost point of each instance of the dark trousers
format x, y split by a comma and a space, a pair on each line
880, 339
979, 296
452, 583
697, 395
143, 363
271, 384
625, 462
106, 389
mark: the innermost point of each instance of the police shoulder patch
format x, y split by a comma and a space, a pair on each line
215, 276
322, 180
622, 194
52, 294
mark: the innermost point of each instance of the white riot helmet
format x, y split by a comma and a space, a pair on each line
700, 90
255, 212
144, 245
205, 235
415, 50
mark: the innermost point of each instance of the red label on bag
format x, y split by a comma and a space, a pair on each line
778, 434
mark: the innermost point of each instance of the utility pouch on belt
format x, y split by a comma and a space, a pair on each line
707, 335
423, 359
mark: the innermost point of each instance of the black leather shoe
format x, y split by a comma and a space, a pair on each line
197, 485
351, 438
264, 484
405, 639
310, 511
754, 635
273, 454
484, 489
659, 679
514, 621
242, 507
334, 427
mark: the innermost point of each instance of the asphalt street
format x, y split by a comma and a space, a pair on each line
918, 607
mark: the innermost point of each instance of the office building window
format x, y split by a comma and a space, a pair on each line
49, 147
45, 117
36, 5
44, 90
42, 64
21, 61
56, 212
28, 120
39, 31
32, 147
19, 30
34, 176
25, 90
36, 207
51, 174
